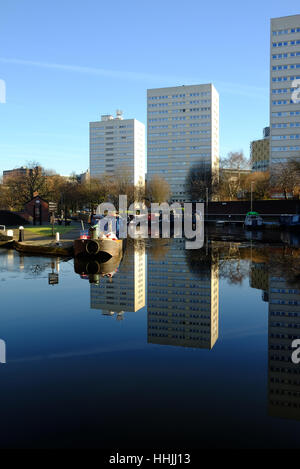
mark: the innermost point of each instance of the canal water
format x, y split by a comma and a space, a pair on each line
163, 347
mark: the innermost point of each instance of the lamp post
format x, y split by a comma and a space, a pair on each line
252, 182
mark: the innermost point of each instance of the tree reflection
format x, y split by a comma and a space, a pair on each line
233, 260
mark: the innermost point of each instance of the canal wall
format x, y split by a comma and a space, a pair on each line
9, 218
263, 207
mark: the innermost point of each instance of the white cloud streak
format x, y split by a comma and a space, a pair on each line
87, 70
238, 89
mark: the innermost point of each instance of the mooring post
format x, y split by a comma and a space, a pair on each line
21, 234
2, 351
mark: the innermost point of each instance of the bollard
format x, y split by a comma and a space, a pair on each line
93, 232
21, 234
57, 238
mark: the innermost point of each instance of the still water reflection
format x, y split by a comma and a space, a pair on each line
161, 346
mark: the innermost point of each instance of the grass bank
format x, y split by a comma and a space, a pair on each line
47, 230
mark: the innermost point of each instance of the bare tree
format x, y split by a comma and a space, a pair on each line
235, 160
286, 177
261, 185
157, 190
232, 177
199, 180
23, 188
7, 200
35, 181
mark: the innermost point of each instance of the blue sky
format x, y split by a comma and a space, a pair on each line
67, 62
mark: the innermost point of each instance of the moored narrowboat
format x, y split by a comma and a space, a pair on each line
290, 221
6, 236
90, 244
253, 221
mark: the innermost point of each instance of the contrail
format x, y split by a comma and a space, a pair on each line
88, 70
240, 89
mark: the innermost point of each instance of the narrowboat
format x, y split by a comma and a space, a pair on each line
90, 244
253, 221
290, 221
6, 236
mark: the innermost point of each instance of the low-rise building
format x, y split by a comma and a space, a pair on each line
260, 152
84, 177
16, 173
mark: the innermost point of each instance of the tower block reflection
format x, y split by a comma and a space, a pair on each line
125, 290
183, 299
284, 327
